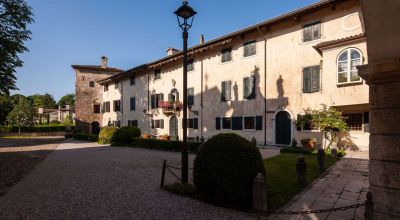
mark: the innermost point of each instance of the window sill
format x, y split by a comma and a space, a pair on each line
251, 130
349, 83
132, 85
222, 63
249, 57
190, 71
313, 41
226, 129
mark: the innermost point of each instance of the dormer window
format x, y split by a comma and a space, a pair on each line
312, 31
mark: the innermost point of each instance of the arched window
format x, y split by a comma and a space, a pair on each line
174, 95
347, 62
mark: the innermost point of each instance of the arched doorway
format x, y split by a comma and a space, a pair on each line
95, 128
174, 95
173, 128
283, 130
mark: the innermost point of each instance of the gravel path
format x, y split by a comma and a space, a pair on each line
19, 156
82, 180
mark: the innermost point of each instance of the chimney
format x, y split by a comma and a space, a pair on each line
40, 109
171, 51
104, 61
201, 39
67, 103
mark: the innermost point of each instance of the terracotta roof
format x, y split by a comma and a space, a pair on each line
227, 38
337, 41
108, 69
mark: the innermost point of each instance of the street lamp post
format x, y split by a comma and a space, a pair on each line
185, 12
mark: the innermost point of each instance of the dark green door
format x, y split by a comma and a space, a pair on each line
283, 128
95, 128
173, 128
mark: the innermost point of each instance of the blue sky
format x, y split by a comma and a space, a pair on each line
129, 33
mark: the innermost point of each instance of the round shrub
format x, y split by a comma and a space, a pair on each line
225, 167
126, 133
106, 134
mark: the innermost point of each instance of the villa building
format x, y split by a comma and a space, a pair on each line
255, 82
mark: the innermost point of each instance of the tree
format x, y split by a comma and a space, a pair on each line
328, 120
36, 99
40, 119
16, 97
67, 98
5, 107
48, 101
22, 115
47, 118
14, 16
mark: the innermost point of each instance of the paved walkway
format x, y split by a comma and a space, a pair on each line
345, 184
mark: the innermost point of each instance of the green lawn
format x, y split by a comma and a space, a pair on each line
281, 176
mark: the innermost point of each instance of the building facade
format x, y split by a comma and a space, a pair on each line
57, 114
255, 82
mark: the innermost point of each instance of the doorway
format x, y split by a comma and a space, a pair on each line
95, 128
173, 128
283, 128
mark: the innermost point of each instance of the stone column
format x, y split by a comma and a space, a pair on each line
384, 150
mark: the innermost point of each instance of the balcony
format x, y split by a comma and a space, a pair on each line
171, 107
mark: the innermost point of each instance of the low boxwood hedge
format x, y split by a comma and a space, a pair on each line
126, 134
163, 145
86, 137
297, 150
36, 128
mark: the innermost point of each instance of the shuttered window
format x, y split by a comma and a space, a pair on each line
249, 86
116, 85
117, 106
312, 31
105, 88
190, 66
226, 91
226, 55
190, 95
157, 123
132, 104
107, 107
133, 123
226, 123
236, 123
132, 80
192, 123
157, 74
311, 79
249, 48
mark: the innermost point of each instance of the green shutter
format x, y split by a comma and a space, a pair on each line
252, 48
134, 103
153, 101
162, 123
223, 98
306, 80
218, 123
103, 107
135, 123
314, 79
251, 88
227, 90
317, 31
307, 33
245, 88
246, 50
190, 96
236, 123
177, 96
195, 123
259, 123
161, 97
152, 124
129, 122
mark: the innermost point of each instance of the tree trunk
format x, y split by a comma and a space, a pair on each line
19, 130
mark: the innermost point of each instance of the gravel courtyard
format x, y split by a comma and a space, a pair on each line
82, 180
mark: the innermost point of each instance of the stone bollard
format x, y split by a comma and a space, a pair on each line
333, 153
301, 171
202, 139
321, 159
369, 207
197, 138
259, 193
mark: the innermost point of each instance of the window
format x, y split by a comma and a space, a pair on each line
226, 55
105, 88
312, 31
96, 109
132, 104
226, 123
249, 122
106, 106
157, 123
226, 91
190, 94
174, 95
117, 124
116, 85
311, 79
249, 48
132, 80
157, 74
155, 99
192, 123
348, 58
354, 121
366, 121
117, 105
190, 66
133, 123
91, 83
249, 88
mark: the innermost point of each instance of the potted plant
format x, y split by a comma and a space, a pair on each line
146, 136
308, 143
166, 137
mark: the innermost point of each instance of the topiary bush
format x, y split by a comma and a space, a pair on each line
225, 167
106, 135
126, 134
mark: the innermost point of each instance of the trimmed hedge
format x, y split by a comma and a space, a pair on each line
225, 167
106, 135
36, 128
298, 150
163, 145
86, 137
126, 134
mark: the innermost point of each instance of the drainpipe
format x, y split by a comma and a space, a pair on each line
122, 104
265, 85
148, 103
201, 101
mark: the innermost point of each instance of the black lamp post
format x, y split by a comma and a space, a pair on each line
185, 12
